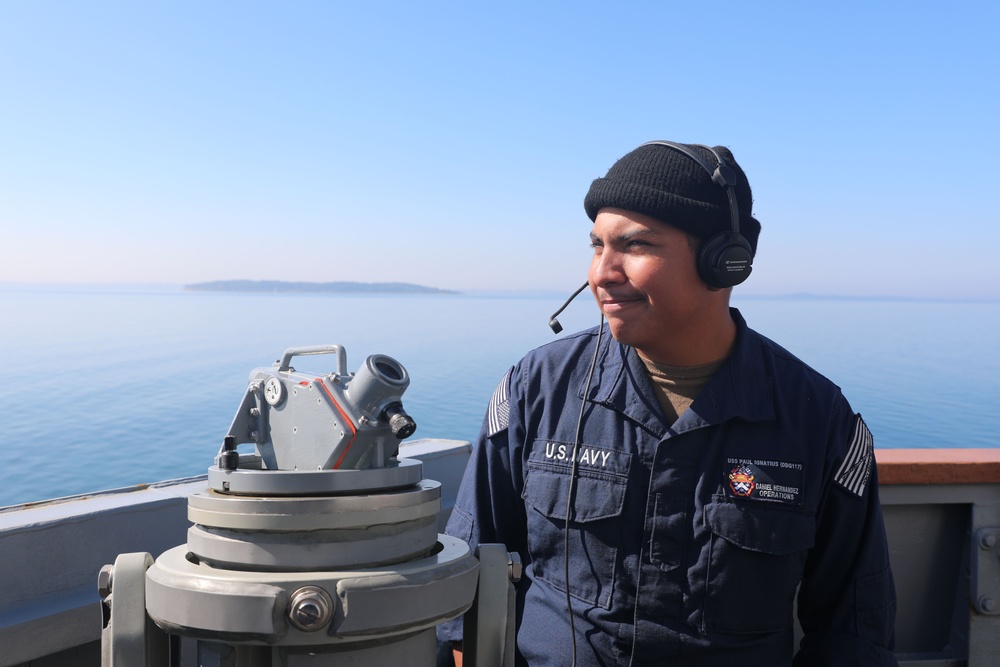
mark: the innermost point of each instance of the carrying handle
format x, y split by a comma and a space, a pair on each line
284, 363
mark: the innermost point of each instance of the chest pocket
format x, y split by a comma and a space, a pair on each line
594, 528
757, 556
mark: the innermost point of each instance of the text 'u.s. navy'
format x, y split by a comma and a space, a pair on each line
588, 455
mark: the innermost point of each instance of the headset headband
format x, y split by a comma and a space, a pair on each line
722, 175
724, 260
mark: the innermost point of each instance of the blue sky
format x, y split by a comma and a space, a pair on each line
450, 144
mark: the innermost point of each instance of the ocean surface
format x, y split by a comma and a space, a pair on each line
108, 387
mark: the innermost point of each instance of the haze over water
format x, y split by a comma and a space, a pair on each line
109, 387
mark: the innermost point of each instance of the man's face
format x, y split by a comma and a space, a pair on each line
644, 278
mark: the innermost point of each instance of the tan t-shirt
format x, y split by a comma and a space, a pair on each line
677, 386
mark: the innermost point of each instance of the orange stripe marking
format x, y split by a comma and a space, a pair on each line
344, 417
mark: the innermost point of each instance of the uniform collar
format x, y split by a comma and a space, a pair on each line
739, 389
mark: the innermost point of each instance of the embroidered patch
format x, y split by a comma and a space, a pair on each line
856, 469
741, 480
764, 479
498, 413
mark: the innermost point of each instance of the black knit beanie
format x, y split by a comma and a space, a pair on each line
668, 185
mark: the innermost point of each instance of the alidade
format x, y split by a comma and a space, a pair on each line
319, 547
334, 421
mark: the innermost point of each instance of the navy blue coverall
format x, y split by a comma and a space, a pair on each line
687, 541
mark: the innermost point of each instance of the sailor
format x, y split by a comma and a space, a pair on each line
673, 481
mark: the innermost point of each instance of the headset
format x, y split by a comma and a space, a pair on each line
725, 259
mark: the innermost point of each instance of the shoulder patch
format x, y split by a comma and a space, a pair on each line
856, 469
498, 413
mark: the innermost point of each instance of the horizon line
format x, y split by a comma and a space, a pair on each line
512, 292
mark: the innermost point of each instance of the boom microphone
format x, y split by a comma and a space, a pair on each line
553, 322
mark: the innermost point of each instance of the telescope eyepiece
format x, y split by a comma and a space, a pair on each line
389, 369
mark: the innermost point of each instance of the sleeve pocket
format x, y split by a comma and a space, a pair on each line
876, 605
460, 524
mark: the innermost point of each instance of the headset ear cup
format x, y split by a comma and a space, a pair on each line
725, 260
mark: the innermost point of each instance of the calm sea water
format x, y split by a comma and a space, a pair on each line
112, 387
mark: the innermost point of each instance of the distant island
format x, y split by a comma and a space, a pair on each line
334, 287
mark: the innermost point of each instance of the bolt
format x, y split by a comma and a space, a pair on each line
987, 540
104, 580
987, 604
255, 436
228, 459
307, 613
514, 567
255, 412
310, 608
